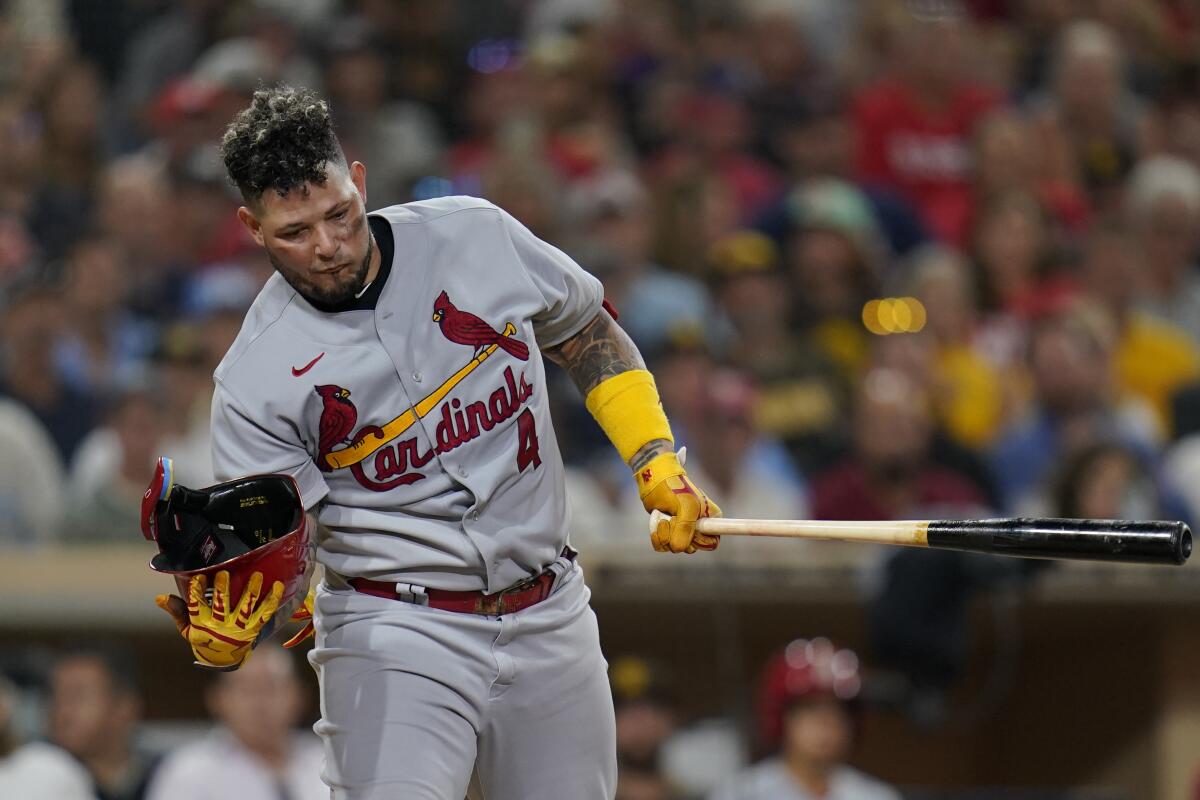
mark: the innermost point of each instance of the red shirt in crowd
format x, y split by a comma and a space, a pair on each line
921, 151
844, 491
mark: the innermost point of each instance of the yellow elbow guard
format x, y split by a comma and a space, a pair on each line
629, 411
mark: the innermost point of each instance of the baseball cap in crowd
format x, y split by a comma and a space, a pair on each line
635, 679
742, 252
184, 98
835, 205
240, 64
832, 204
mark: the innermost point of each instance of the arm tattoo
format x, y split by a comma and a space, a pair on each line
649, 450
599, 351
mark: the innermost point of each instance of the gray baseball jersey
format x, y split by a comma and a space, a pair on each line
420, 425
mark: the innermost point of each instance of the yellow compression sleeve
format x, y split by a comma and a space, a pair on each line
629, 411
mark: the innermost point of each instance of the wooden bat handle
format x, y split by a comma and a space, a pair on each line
910, 533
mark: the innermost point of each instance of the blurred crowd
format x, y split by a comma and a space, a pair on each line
887, 258
1017, 182
89, 711
807, 714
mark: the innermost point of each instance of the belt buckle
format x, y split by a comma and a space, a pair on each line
490, 605
496, 605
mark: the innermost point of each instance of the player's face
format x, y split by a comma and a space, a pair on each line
317, 235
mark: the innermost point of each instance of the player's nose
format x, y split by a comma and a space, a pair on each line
325, 244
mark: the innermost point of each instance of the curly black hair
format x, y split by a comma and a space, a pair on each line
282, 140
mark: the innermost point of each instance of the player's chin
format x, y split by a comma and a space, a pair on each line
333, 288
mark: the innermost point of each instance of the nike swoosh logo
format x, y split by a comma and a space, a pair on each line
306, 367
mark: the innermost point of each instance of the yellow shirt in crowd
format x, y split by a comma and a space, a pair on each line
1153, 360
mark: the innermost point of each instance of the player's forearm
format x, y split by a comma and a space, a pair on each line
599, 351
603, 351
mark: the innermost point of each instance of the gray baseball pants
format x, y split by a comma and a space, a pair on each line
418, 703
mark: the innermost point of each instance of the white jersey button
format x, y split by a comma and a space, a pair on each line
417, 377
462, 471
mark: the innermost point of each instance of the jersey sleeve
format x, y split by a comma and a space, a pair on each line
242, 445
572, 297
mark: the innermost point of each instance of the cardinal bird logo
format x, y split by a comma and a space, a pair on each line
463, 327
338, 418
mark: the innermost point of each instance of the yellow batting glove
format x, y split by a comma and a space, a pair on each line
664, 486
220, 636
304, 612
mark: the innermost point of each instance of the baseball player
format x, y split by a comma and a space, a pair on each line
393, 367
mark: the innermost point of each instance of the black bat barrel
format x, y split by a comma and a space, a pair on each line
1091, 539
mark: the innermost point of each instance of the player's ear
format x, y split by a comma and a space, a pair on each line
358, 176
252, 224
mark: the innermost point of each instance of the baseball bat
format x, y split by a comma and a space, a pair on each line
1144, 542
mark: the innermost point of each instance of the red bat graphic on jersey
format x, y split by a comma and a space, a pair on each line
338, 418
463, 327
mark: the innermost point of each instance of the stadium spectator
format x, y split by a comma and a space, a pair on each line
914, 127
915, 356
1086, 96
19, 171
1163, 208
132, 208
163, 49
970, 397
103, 344
108, 473
254, 751
807, 714
186, 380
29, 328
646, 714
31, 506
35, 770
888, 473
834, 258
95, 708
1017, 155
1070, 361
1110, 481
69, 112
1152, 358
1015, 275
370, 124
803, 396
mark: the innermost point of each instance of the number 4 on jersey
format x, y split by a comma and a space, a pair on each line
527, 443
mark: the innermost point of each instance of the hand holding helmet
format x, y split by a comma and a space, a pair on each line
245, 535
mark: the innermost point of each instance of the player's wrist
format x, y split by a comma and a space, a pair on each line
656, 470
